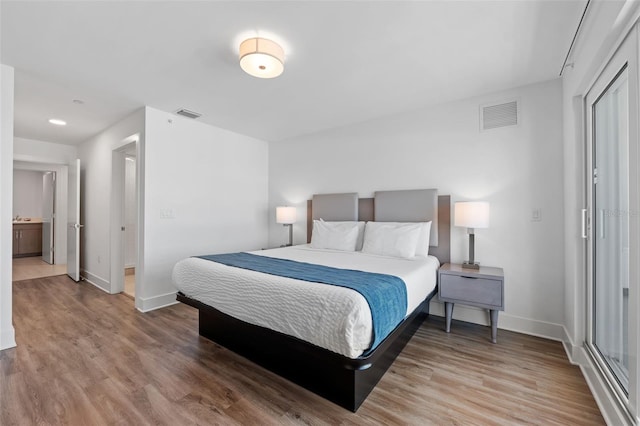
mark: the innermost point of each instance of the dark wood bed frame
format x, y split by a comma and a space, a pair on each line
340, 379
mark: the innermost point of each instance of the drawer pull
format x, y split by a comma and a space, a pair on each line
470, 278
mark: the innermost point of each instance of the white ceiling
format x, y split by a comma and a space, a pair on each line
346, 62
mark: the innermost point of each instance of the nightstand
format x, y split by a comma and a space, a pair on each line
483, 288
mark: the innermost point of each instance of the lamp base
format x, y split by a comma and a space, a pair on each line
467, 265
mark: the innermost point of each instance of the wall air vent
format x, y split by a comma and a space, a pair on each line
189, 114
499, 115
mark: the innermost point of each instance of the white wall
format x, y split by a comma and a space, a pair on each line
43, 152
514, 168
7, 333
27, 193
212, 182
95, 156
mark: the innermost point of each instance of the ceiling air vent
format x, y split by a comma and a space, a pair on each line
499, 115
186, 113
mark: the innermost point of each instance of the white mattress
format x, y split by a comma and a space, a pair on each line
332, 317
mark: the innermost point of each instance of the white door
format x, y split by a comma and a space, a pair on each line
73, 228
48, 198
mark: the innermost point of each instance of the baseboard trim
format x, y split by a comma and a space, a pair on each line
7, 338
142, 304
528, 326
612, 411
97, 281
156, 302
574, 352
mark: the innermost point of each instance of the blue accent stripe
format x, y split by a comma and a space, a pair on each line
385, 294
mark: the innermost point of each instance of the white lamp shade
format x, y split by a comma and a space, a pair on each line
261, 58
286, 215
471, 214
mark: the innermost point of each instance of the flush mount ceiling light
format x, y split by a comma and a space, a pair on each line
261, 58
58, 122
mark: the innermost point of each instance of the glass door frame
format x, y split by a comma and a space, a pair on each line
625, 57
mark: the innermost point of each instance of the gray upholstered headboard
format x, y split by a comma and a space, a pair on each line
391, 206
335, 206
417, 205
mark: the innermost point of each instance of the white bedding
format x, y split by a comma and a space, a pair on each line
332, 317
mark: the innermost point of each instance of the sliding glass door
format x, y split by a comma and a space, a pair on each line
610, 228
612, 219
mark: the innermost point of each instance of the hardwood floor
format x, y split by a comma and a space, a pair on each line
86, 357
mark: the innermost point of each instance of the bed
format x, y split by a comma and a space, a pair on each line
345, 370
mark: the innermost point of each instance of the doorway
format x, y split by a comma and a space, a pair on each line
38, 205
48, 216
130, 212
125, 202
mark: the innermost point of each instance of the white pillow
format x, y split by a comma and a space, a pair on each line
360, 230
422, 249
334, 235
392, 238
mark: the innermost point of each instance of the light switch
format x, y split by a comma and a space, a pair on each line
536, 214
167, 214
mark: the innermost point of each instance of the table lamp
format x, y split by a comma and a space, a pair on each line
287, 217
471, 215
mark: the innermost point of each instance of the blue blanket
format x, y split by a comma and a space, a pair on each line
385, 294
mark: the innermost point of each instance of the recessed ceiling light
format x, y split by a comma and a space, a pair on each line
58, 122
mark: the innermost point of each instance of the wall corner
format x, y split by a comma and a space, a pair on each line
7, 332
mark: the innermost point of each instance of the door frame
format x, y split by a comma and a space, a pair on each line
117, 261
23, 162
626, 56
74, 270
52, 250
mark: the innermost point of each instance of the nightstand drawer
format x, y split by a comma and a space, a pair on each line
475, 291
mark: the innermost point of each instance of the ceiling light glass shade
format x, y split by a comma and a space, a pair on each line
261, 58
286, 215
471, 214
